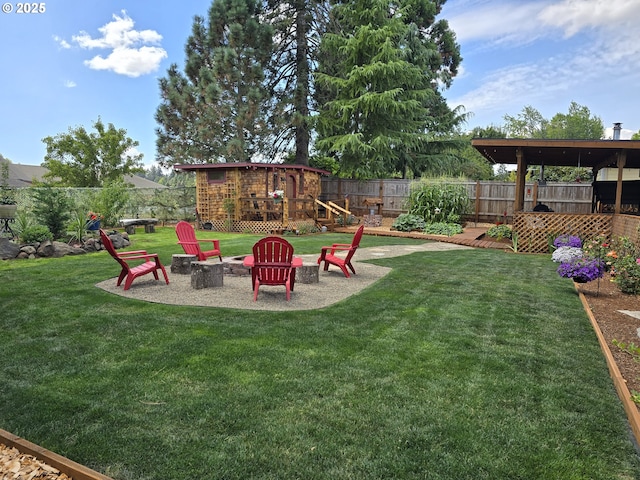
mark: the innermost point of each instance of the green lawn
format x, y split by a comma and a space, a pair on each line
473, 364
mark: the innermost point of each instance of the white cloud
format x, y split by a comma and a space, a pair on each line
131, 53
62, 42
525, 21
496, 21
602, 60
574, 16
70, 84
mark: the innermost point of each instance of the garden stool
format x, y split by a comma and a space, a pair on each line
308, 272
181, 263
206, 275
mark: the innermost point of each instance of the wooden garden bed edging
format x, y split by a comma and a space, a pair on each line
633, 416
66, 466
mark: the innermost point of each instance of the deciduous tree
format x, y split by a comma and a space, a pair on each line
79, 158
577, 124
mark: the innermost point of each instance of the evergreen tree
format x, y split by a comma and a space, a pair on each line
379, 74
298, 25
217, 110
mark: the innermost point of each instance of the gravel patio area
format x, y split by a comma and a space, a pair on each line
236, 292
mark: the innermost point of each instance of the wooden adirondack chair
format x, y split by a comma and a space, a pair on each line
328, 255
272, 257
151, 263
191, 245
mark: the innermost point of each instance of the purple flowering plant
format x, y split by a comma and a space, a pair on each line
582, 269
567, 241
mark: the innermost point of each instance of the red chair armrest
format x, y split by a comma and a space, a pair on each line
145, 256
337, 247
216, 243
185, 242
132, 252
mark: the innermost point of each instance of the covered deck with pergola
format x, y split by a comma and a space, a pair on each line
534, 228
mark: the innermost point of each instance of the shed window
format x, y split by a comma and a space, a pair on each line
215, 176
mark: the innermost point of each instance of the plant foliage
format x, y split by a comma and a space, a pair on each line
438, 201
408, 222
443, 228
36, 233
499, 232
52, 207
82, 159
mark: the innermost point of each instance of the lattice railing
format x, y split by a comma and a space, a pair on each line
264, 228
536, 230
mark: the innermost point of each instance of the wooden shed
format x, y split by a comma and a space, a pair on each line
256, 197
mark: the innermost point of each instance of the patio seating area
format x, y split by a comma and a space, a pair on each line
237, 292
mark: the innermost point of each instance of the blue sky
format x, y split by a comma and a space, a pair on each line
80, 60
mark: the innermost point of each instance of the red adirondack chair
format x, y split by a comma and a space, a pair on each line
328, 255
191, 245
151, 262
272, 257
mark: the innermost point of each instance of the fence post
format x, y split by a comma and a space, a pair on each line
477, 216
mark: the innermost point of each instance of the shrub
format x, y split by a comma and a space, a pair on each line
52, 207
36, 233
111, 201
624, 260
499, 232
597, 247
408, 222
442, 228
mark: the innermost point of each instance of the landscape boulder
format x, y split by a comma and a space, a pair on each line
8, 249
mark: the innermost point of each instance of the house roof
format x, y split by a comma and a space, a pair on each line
248, 166
563, 153
23, 176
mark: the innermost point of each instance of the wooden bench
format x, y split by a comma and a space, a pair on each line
130, 224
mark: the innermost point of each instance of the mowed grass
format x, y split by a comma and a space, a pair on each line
472, 364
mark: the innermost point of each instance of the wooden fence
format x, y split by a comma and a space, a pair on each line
490, 201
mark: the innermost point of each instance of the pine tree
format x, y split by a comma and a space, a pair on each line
217, 110
298, 24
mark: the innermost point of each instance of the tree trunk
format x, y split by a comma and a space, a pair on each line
301, 99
